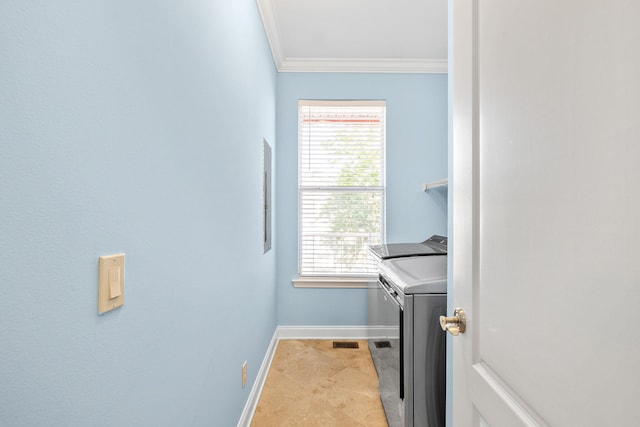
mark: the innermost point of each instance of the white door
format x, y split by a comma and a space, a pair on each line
546, 212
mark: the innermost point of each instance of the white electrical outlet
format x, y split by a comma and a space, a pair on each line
244, 374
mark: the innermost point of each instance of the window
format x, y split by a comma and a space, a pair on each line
341, 146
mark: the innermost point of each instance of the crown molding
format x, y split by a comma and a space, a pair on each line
352, 65
270, 24
338, 65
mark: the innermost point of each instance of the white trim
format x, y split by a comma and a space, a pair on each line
258, 384
270, 24
352, 65
335, 282
299, 333
380, 332
343, 102
338, 65
323, 332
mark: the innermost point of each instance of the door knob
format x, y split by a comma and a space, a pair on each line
455, 324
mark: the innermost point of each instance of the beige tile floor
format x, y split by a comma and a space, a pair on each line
310, 383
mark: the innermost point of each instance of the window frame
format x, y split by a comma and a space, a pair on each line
339, 280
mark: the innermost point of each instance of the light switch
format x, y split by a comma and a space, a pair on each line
114, 282
110, 282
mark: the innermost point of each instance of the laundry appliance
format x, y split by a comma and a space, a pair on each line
408, 346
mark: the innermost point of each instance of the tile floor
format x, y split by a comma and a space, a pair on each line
310, 383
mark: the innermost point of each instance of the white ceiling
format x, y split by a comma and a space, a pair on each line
357, 35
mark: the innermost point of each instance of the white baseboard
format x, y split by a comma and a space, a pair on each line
261, 378
383, 332
300, 333
323, 332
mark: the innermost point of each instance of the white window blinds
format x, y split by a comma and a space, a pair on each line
341, 186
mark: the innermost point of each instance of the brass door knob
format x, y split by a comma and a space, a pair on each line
455, 324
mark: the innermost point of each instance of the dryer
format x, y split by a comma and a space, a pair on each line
408, 346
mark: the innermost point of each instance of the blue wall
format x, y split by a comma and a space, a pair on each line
136, 127
416, 154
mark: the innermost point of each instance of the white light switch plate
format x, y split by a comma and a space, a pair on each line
110, 282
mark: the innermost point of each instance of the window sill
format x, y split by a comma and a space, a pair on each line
335, 282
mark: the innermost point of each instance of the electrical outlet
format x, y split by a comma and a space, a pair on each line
244, 374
